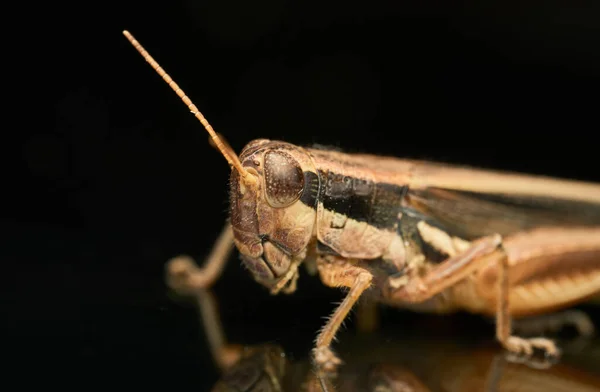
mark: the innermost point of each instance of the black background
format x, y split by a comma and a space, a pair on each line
122, 177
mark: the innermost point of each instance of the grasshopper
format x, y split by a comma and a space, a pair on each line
407, 233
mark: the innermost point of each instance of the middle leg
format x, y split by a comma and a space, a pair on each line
338, 272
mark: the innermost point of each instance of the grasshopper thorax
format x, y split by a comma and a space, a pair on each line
273, 209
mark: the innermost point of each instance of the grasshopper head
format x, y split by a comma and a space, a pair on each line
273, 197
273, 209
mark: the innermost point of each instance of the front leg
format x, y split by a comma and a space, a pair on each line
186, 277
484, 252
338, 272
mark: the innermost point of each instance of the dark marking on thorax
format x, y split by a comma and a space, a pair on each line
378, 204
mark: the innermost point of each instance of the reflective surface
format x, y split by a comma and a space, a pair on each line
405, 353
384, 362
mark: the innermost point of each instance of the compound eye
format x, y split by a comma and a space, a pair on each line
283, 179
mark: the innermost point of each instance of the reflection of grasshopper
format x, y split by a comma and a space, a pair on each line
407, 233
376, 363
461, 372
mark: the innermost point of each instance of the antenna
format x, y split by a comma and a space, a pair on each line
219, 141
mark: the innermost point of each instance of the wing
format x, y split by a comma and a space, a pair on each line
471, 215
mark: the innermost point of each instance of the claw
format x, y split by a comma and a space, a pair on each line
522, 350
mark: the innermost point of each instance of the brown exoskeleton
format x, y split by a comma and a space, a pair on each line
407, 233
